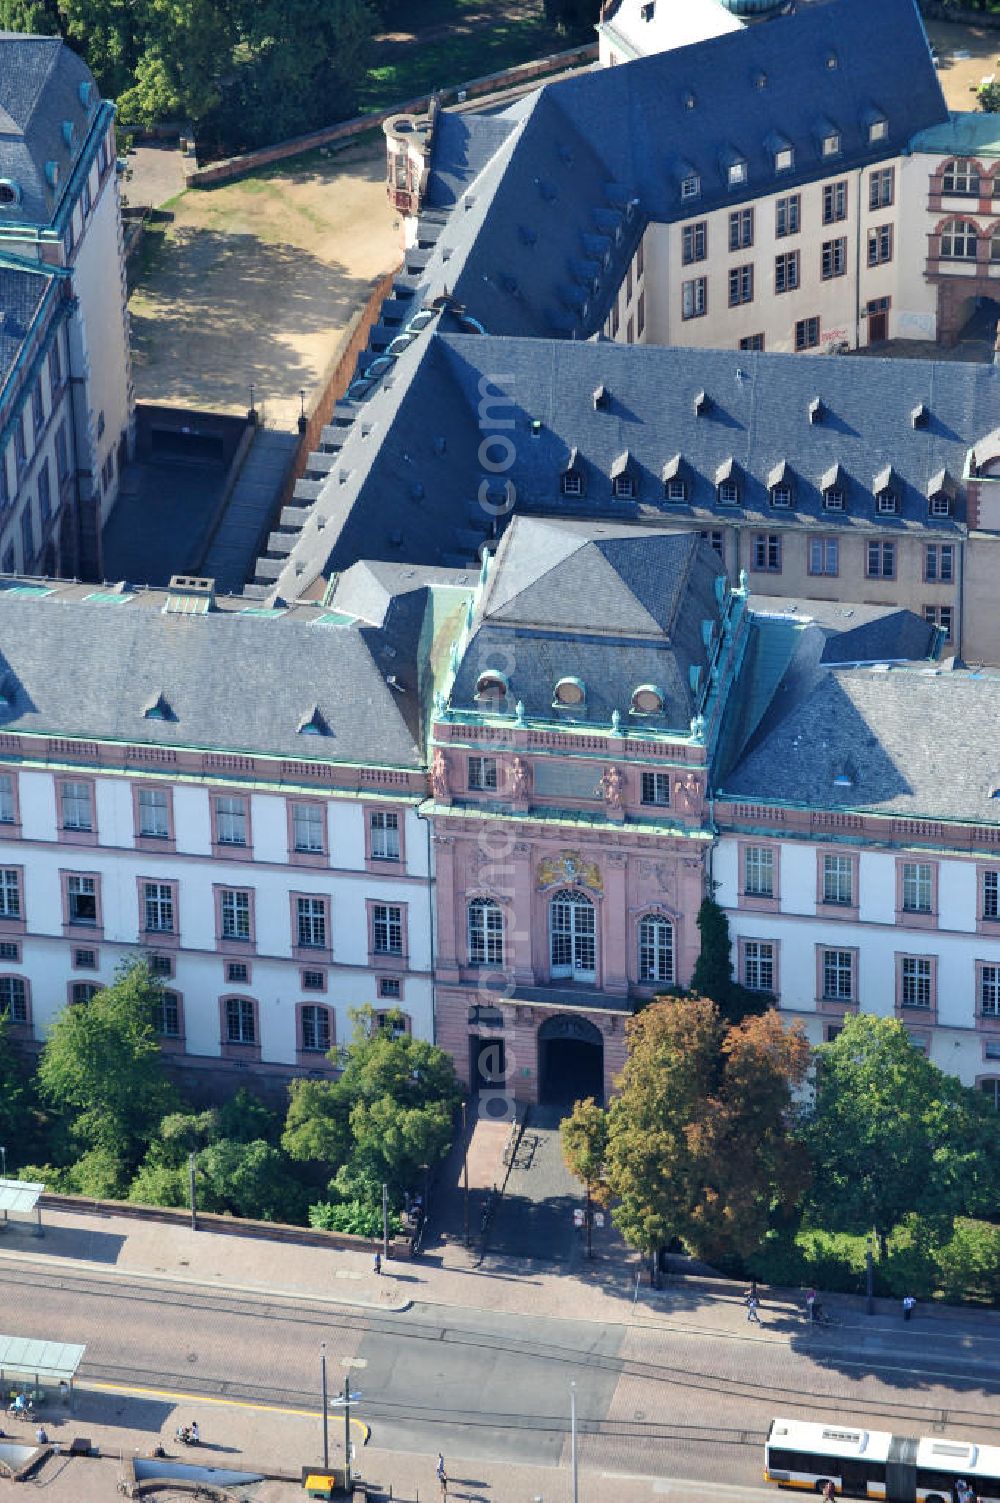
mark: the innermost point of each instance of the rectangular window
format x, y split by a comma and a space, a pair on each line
10, 893
230, 820
807, 334
838, 880
76, 806
85, 960
241, 1021
824, 556
387, 929
55, 368
81, 899
989, 991
838, 975
37, 408
20, 453
314, 981
44, 494
881, 187
83, 992
916, 979
640, 259
833, 262
786, 271
154, 813
758, 871
741, 229
7, 809
310, 923
758, 965
483, 773
694, 242
752, 342
835, 202
384, 836
390, 986
690, 186
158, 907
237, 970
880, 245
714, 538
918, 887
881, 563
167, 1016
161, 965
787, 215
27, 537
991, 894
308, 827
13, 999
656, 789
315, 1030
941, 616
62, 452
640, 315
694, 298
939, 562
767, 552
235, 910
740, 285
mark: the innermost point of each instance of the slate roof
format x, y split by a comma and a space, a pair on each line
43, 84
853, 632
234, 682
594, 157
405, 470
859, 723
21, 296
613, 607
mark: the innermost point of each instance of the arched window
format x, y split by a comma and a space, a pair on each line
958, 240
961, 176
656, 949
485, 932
491, 688
572, 936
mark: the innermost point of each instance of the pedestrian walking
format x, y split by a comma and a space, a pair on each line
908, 1306
439, 1468
811, 1304
829, 1492
752, 1310
753, 1289
378, 1262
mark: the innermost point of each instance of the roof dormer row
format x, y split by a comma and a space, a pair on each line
783, 155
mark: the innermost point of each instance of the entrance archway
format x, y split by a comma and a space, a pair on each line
570, 1061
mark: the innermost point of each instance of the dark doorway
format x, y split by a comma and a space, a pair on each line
570, 1061
878, 320
487, 1063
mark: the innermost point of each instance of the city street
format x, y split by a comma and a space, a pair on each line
687, 1392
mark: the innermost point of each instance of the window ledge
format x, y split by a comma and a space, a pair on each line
308, 858
759, 903
78, 837
907, 919
165, 844
223, 852
836, 1006
837, 911
160, 939
312, 955
230, 946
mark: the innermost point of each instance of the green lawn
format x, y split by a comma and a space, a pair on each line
404, 70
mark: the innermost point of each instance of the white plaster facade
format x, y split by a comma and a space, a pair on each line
637, 28
41, 945
960, 1026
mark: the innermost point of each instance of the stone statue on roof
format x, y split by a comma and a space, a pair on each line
439, 776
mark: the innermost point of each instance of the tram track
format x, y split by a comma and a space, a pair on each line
427, 1326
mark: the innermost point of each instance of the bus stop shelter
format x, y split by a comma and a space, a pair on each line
25, 1362
20, 1198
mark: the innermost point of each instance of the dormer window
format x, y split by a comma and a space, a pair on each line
736, 174
572, 483
781, 495
690, 186
831, 143
68, 134
648, 699
52, 174
646, 11
623, 487
940, 504
675, 490
10, 191
729, 493
675, 480
941, 493
833, 498
492, 688
886, 502
876, 125
784, 159
570, 694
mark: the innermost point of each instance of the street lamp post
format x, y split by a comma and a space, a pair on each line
326, 1428
572, 1429
385, 1223
4, 1152
191, 1191
869, 1278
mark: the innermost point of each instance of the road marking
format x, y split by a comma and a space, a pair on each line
137, 1391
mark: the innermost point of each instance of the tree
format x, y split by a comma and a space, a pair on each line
701, 1140
891, 1134
12, 1091
103, 1062
584, 1138
713, 970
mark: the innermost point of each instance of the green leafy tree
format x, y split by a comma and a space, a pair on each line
891, 1134
13, 1095
701, 1142
713, 970
584, 1138
102, 1064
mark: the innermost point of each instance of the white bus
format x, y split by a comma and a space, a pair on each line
876, 1464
